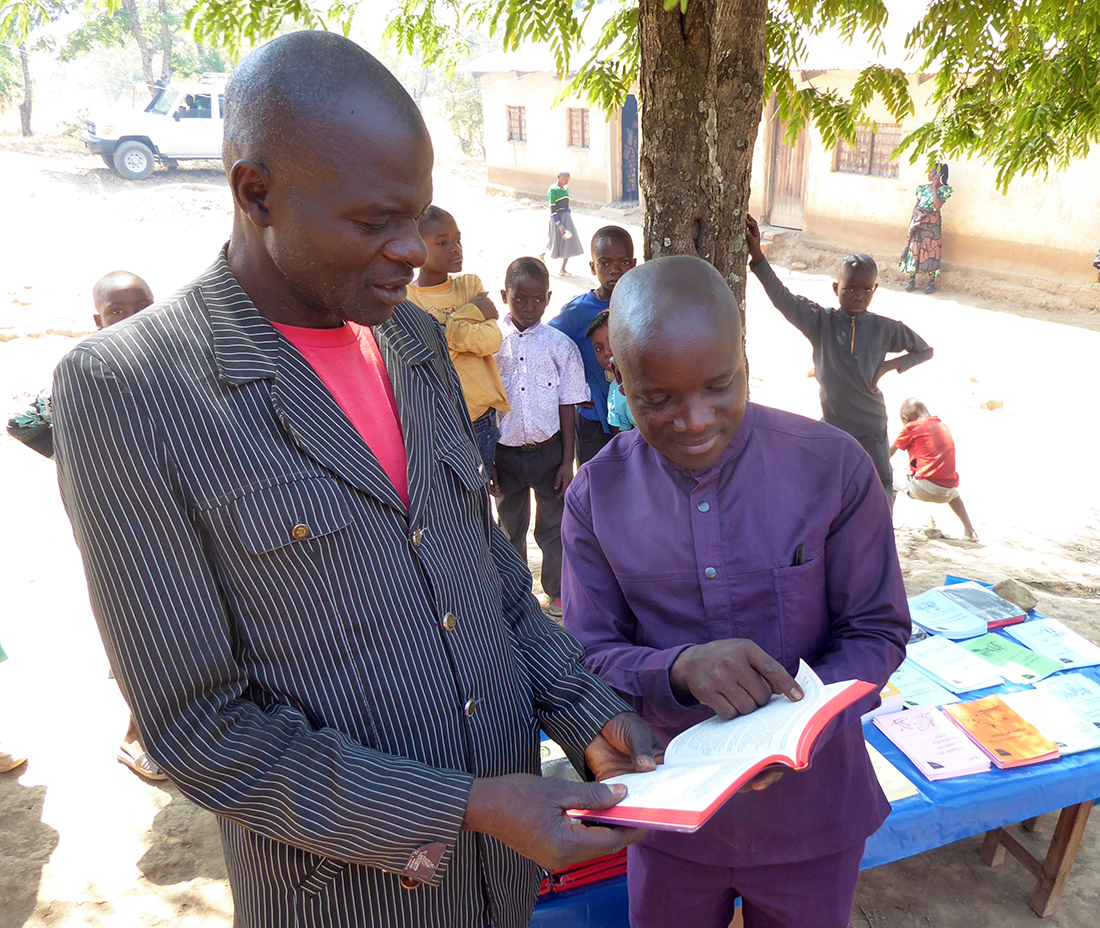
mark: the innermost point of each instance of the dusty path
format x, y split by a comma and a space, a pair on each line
84, 842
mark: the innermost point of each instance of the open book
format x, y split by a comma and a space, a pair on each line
709, 762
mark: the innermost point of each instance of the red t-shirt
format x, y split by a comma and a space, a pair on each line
349, 363
931, 451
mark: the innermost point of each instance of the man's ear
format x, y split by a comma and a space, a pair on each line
251, 182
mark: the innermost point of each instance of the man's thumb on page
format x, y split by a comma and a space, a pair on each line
597, 795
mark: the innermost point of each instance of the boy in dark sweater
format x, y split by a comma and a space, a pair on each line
850, 346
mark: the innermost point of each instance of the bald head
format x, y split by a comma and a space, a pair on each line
913, 409
662, 296
287, 90
675, 338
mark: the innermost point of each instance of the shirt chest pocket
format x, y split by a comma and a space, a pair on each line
296, 513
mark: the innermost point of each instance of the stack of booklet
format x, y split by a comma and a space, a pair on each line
1078, 691
1061, 723
895, 784
951, 665
1002, 734
1014, 662
919, 689
963, 610
936, 747
892, 701
1052, 639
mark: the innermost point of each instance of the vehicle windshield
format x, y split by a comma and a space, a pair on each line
162, 103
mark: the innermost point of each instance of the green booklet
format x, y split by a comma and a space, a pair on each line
1015, 662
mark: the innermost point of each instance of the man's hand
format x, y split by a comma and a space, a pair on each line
488, 307
564, 477
528, 814
752, 239
764, 779
733, 677
626, 744
494, 484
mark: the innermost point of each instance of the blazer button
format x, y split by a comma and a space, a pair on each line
470, 708
409, 882
417, 537
299, 532
449, 622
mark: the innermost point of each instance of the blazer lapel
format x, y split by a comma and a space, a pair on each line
406, 359
248, 348
321, 429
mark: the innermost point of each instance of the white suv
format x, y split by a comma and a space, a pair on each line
182, 122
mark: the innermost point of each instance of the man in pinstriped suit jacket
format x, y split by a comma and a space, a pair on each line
354, 685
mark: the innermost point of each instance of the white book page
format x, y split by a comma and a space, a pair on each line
1081, 692
683, 787
1052, 638
774, 728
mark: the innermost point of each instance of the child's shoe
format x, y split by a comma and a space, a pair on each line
555, 607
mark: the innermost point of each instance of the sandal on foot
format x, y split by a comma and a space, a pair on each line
931, 288
143, 765
912, 285
10, 761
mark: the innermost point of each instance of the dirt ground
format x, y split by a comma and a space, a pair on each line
83, 842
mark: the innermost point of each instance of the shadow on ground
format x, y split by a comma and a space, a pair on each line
184, 843
26, 844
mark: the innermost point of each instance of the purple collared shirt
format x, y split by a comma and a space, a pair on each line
658, 558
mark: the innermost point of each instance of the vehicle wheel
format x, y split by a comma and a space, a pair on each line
134, 160
109, 161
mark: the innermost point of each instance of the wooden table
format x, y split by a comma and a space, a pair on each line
1052, 871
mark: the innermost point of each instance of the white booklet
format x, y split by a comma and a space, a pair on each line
1055, 719
1080, 692
951, 665
919, 689
936, 746
1052, 638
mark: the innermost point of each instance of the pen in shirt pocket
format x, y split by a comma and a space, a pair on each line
799, 556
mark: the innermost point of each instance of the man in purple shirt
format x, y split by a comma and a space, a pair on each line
705, 554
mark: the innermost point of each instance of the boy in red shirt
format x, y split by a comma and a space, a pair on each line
931, 451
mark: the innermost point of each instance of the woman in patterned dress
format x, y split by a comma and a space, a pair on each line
925, 246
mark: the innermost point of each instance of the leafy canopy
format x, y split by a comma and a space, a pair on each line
1016, 81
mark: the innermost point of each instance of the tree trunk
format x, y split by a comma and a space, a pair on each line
165, 43
701, 95
28, 92
418, 92
133, 18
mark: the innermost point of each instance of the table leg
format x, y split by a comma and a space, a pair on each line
993, 849
1063, 849
1050, 873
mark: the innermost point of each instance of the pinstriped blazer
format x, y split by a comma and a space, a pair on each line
324, 669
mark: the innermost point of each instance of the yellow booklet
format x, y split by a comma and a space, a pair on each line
1001, 733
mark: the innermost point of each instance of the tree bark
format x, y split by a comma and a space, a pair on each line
28, 92
701, 96
133, 17
165, 43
